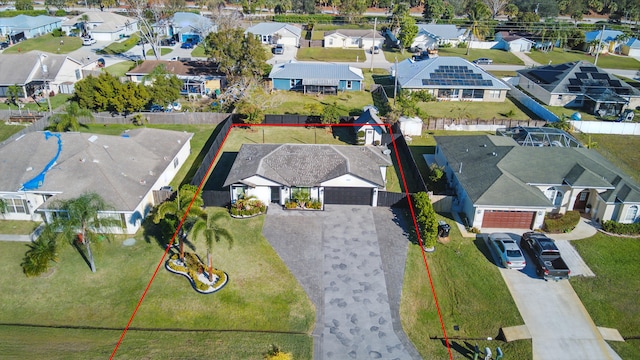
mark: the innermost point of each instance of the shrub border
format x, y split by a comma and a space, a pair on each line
192, 281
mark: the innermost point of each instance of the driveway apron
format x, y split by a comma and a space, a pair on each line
336, 256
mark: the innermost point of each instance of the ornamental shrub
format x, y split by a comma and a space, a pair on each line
559, 223
615, 227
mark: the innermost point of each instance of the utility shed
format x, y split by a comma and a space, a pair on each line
411, 126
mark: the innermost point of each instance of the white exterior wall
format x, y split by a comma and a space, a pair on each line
287, 38
263, 193
534, 89
334, 41
520, 45
483, 44
369, 42
67, 73
348, 181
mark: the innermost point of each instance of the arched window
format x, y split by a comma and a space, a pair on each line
632, 213
554, 195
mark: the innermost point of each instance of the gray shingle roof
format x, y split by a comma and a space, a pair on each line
120, 169
27, 67
307, 165
412, 73
270, 28
442, 31
506, 178
312, 70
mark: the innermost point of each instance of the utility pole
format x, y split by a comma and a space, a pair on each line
395, 86
595, 62
375, 23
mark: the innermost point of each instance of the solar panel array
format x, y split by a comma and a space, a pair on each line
455, 75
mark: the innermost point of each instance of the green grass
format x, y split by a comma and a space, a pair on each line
471, 294
7, 130
472, 110
56, 102
47, 43
498, 56
291, 102
262, 296
198, 51
16, 227
611, 298
616, 149
330, 54
560, 110
559, 56
163, 51
121, 68
121, 47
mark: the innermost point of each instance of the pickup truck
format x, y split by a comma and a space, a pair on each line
545, 255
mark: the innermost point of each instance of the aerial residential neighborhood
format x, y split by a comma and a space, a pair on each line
312, 180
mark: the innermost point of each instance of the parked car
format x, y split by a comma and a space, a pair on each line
156, 108
167, 42
4, 45
278, 49
511, 256
546, 256
483, 61
375, 50
87, 41
186, 45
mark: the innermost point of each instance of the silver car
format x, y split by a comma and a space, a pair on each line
510, 254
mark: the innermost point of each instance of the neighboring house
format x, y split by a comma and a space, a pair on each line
353, 39
512, 42
22, 26
579, 85
39, 168
198, 77
34, 72
500, 184
609, 40
310, 77
101, 25
332, 174
186, 27
631, 48
450, 79
370, 127
430, 36
276, 33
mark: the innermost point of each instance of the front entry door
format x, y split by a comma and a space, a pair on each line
275, 194
581, 201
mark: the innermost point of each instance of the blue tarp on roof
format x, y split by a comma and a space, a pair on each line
38, 180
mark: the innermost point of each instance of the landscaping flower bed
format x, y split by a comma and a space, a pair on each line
194, 269
247, 207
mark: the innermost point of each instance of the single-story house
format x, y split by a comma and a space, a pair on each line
198, 77
348, 38
430, 36
512, 42
101, 25
331, 174
41, 167
369, 126
609, 40
579, 85
186, 27
23, 26
34, 72
449, 79
276, 33
500, 184
312, 77
631, 48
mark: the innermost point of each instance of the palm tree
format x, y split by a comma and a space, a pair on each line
182, 212
40, 254
212, 231
81, 219
69, 120
3, 206
479, 15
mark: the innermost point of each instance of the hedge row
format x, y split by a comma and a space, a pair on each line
561, 223
622, 229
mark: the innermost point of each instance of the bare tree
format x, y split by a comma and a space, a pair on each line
496, 6
149, 13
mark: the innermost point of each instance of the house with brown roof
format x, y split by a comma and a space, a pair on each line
198, 77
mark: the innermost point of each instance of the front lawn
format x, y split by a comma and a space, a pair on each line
121, 68
292, 102
163, 51
7, 130
56, 102
47, 43
611, 297
472, 296
330, 54
198, 51
261, 297
120, 47
559, 56
498, 56
16, 227
617, 149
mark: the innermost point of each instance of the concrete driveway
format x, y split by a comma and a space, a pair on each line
289, 54
350, 261
559, 325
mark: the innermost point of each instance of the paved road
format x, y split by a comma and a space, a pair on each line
350, 261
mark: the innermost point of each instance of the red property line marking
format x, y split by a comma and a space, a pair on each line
404, 183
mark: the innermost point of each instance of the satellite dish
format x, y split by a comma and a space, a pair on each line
387, 152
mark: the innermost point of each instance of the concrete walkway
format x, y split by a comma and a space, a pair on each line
528, 62
350, 261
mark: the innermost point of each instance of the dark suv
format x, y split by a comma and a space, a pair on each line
4, 45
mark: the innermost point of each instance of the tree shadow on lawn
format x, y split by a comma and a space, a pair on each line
80, 249
465, 350
220, 171
162, 234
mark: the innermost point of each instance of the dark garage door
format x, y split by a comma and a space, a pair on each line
347, 196
508, 219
